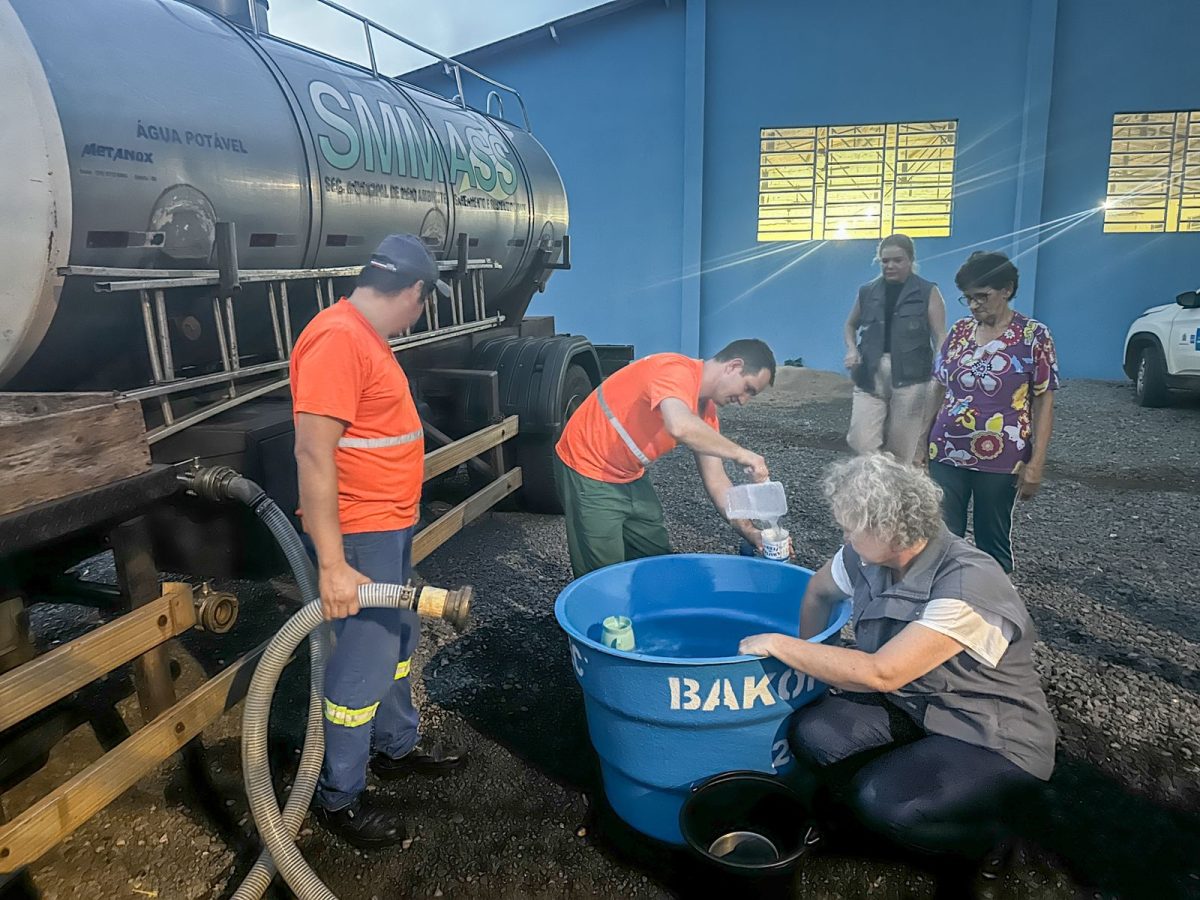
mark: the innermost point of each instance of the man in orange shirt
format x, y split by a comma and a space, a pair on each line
641, 412
361, 454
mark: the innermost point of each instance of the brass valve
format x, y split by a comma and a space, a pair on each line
216, 611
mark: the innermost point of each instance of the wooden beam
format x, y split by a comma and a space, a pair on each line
137, 577
45, 456
48, 821
470, 509
431, 431
50, 677
454, 454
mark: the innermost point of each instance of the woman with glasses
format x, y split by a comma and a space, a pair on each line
989, 439
896, 322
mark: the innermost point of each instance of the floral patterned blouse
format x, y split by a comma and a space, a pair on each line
985, 421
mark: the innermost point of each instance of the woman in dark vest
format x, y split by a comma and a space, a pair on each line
896, 323
940, 725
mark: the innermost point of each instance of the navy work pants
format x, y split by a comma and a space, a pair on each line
926, 792
994, 494
367, 683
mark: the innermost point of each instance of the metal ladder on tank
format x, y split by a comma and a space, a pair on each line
238, 382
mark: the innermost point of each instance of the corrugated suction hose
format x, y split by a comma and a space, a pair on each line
278, 828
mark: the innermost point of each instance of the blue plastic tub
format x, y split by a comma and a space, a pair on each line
682, 706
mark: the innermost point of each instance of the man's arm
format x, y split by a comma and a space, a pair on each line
698, 436
914, 652
717, 483
850, 334
1030, 478
316, 447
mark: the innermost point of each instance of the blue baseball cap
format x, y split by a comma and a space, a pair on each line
405, 254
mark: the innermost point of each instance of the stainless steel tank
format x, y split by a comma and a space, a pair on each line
132, 126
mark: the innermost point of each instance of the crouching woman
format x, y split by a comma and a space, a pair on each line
939, 722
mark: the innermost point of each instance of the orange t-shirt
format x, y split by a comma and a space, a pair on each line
343, 369
590, 444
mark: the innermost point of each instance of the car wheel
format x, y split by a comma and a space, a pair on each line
1151, 380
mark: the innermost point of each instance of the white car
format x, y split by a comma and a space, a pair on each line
1162, 349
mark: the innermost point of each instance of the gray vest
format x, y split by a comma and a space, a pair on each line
911, 340
1001, 708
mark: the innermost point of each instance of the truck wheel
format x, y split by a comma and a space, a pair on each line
535, 453
1151, 380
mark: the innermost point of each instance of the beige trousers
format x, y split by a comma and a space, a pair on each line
892, 419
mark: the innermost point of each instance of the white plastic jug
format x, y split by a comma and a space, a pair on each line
764, 502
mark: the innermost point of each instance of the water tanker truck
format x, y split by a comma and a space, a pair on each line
136, 129
181, 191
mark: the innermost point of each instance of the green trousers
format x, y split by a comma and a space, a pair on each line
609, 523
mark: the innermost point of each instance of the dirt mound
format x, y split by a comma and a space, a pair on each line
794, 384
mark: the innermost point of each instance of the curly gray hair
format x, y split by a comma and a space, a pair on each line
887, 499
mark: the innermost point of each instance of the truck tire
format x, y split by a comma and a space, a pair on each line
535, 453
543, 380
1150, 380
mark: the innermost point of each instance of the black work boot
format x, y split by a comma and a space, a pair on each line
427, 758
363, 824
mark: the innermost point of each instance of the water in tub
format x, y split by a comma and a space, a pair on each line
715, 630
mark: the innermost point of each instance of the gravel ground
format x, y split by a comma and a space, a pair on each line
1106, 562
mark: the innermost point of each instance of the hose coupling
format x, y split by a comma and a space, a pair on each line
216, 611
219, 483
428, 601
451, 606
211, 483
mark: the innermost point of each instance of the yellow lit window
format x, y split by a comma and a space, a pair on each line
856, 181
1154, 173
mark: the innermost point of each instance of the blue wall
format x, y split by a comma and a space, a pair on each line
1033, 84
606, 100
1111, 57
822, 67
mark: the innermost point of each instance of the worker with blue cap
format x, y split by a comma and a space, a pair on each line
360, 454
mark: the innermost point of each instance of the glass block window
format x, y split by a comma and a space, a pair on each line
837, 182
1154, 173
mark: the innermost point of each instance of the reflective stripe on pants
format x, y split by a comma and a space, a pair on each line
351, 718
361, 674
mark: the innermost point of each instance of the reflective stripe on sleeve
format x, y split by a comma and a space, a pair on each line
402, 668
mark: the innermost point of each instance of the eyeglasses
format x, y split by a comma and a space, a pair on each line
976, 299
